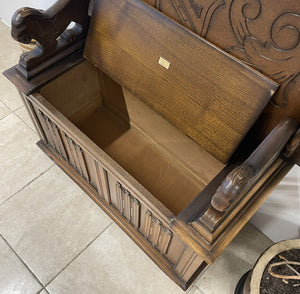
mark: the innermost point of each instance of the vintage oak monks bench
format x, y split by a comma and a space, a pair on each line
176, 139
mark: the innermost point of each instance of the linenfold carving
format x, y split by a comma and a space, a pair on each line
128, 206
156, 233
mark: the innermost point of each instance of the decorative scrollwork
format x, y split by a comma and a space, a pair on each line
276, 56
285, 31
264, 34
194, 14
240, 13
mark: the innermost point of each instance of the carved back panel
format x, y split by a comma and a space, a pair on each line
263, 33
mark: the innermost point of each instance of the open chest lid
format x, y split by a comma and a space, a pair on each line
206, 93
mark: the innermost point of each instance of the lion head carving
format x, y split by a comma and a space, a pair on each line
29, 23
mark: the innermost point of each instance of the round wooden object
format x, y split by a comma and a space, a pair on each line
258, 281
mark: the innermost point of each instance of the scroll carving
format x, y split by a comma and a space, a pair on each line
264, 34
194, 14
278, 54
49, 29
286, 24
240, 13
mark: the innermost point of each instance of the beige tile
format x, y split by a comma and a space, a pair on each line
23, 114
10, 58
49, 222
43, 292
279, 216
113, 264
7, 43
194, 290
14, 276
21, 160
9, 94
237, 258
4, 111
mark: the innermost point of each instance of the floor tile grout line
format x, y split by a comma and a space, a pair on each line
201, 292
23, 262
11, 111
18, 108
6, 115
30, 182
18, 116
24, 120
44, 289
71, 261
250, 224
7, 106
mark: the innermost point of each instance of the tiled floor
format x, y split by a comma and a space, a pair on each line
54, 239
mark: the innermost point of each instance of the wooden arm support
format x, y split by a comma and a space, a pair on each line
219, 208
207, 217
49, 29
239, 181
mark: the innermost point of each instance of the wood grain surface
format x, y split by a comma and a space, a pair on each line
263, 34
204, 92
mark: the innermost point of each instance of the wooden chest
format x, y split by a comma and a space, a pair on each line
155, 124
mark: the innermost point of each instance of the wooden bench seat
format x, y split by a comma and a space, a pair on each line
155, 124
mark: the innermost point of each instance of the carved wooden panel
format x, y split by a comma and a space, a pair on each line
194, 14
264, 34
101, 182
32, 110
128, 206
188, 264
156, 233
52, 134
63, 144
76, 158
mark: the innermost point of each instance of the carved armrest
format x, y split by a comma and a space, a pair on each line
221, 195
242, 178
217, 214
49, 29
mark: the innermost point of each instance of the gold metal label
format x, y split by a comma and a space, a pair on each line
164, 63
